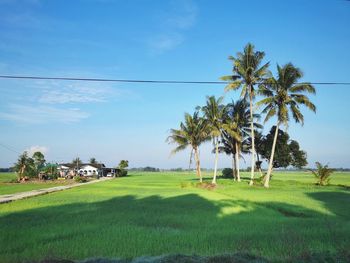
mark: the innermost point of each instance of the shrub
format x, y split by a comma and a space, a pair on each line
227, 173
121, 172
322, 174
80, 179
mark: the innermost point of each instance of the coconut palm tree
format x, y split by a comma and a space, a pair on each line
229, 146
214, 113
24, 166
283, 96
248, 72
237, 124
192, 133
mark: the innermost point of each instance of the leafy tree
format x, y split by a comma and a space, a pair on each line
299, 159
77, 162
192, 133
322, 174
122, 166
247, 73
287, 152
39, 161
214, 113
93, 160
283, 96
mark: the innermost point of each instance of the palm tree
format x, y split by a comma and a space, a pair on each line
192, 133
229, 146
248, 72
214, 113
284, 95
24, 166
237, 124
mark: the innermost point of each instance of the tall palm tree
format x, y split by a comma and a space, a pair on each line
214, 113
229, 145
237, 124
24, 166
192, 133
248, 72
283, 96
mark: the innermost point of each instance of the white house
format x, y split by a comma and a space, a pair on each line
89, 169
85, 169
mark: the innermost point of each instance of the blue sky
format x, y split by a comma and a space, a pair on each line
144, 39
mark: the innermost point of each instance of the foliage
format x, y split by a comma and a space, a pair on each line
123, 164
76, 162
287, 151
248, 72
227, 173
25, 166
80, 179
322, 174
93, 160
193, 132
122, 168
39, 161
284, 95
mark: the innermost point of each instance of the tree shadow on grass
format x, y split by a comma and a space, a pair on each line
128, 226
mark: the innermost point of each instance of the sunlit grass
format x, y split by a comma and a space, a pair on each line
163, 213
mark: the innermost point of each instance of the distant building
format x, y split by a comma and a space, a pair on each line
85, 169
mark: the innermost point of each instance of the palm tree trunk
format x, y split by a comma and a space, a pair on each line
216, 140
252, 135
267, 179
237, 162
198, 165
258, 160
234, 168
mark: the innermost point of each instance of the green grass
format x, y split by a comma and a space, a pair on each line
10, 188
165, 213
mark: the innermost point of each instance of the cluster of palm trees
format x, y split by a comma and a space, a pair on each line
232, 127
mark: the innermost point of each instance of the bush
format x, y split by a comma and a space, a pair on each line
121, 173
80, 179
322, 174
227, 173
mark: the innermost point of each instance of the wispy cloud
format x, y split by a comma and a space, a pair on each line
181, 17
162, 43
74, 93
31, 114
185, 15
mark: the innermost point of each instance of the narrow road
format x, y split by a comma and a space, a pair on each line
22, 195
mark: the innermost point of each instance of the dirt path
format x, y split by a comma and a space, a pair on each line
17, 196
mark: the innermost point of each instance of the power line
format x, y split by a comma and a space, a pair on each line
144, 81
9, 148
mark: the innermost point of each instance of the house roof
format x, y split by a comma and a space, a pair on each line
73, 166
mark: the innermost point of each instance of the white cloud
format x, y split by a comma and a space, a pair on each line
74, 93
164, 43
37, 148
182, 17
28, 114
185, 15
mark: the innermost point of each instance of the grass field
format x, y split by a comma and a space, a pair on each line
10, 188
165, 213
